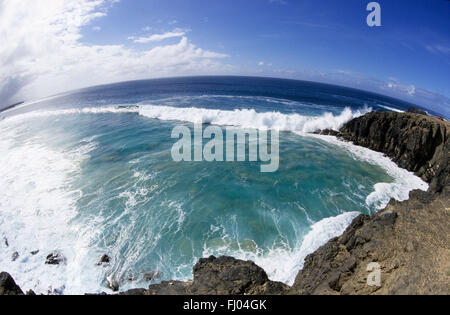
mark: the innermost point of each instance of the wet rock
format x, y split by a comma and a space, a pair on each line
34, 253
105, 259
328, 132
5, 240
30, 293
15, 256
150, 276
56, 291
8, 286
130, 277
113, 283
55, 259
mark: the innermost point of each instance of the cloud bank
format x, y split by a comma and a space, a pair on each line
42, 52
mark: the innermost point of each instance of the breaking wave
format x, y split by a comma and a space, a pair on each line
245, 118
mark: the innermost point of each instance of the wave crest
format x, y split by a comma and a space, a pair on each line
249, 118
244, 118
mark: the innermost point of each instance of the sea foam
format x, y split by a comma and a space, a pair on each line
249, 118
245, 118
283, 264
38, 197
37, 204
404, 181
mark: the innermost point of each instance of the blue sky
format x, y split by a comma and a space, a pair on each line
327, 40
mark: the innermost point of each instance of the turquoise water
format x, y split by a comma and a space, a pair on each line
88, 176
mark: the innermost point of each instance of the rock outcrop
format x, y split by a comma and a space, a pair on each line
409, 240
220, 276
415, 142
8, 286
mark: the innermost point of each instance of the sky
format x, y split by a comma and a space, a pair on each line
52, 46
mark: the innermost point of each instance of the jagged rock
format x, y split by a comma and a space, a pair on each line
105, 259
408, 239
56, 291
34, 253
113, 283
417, 143
150, 276
135, 292
8, 286
15, 256
414, 110
226, 275
216, 276
327, 132
55, 259
30, 293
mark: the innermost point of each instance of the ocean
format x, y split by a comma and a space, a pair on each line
90, 172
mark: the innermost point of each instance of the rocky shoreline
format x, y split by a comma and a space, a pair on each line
409, 240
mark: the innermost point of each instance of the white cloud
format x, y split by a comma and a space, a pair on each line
159, 37
41, 51
262, 63
402, 88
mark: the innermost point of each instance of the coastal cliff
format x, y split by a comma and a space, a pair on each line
415, 142
409, 240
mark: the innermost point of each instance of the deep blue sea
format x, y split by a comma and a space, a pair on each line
90, 172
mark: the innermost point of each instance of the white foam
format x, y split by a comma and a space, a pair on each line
249, 118
392, 109
245, 118
283, 264
404, 181
60, 112
36, 205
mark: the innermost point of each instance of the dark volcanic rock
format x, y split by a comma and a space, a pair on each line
105, 259
417, 111
35, 252
226, 275
55, 259
8, 286
328, 132
415, 142
409, 240
150, 276
113, 283
15, 256
216, 276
